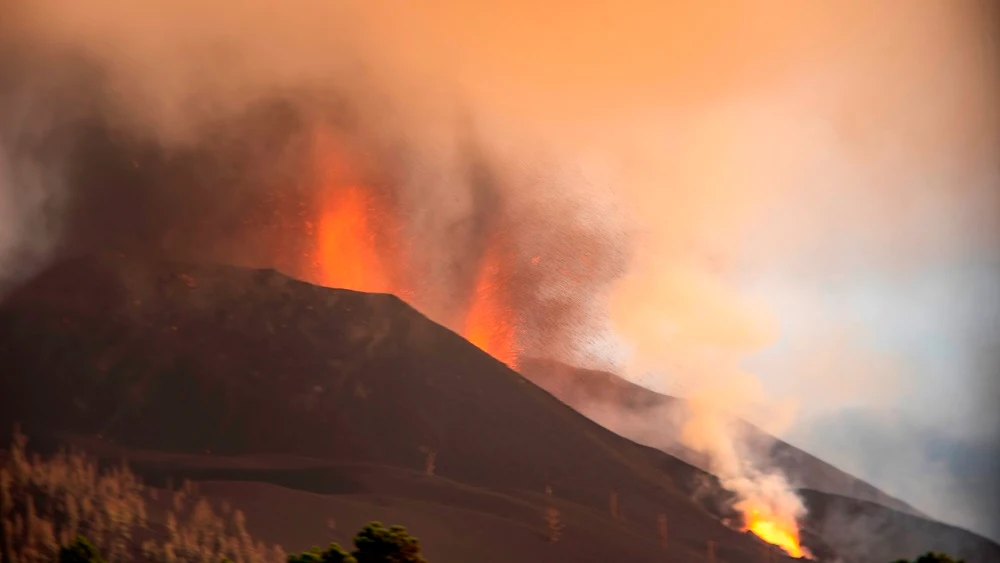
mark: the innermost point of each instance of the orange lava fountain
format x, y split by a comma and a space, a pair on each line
359, 246
349, 255
781, 532
354, 229
490, 324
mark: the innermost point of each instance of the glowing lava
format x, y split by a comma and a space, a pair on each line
349, 256
354, 229
489, 322
359, 245
779, 532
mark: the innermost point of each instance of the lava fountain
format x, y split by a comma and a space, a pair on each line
360, 244
349, 256
356, 232
490, 322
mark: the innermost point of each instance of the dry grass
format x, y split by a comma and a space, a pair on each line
46, 502
662, 531
553, 520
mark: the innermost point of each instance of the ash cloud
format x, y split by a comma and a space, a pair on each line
659, 159
32, 170
191, 130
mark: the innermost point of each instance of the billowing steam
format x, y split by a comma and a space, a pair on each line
32, 175
584, 181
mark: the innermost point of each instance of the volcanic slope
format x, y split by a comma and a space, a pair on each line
845, 511
653, 419
279, 394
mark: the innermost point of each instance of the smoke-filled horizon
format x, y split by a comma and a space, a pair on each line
746, 202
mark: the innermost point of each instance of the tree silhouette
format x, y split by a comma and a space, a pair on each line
80, 551
332, 554
377, 544
933, 557
374, 544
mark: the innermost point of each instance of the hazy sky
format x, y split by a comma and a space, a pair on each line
906, 394
879, 263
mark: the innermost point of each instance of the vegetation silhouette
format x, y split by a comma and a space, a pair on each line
374, 544
932, 557
65, 508
80, 551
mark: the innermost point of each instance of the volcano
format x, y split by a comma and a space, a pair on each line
303, 403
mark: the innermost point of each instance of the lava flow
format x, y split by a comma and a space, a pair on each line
780, 532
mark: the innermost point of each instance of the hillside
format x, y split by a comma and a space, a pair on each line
263, 387
650, 418
844, 510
